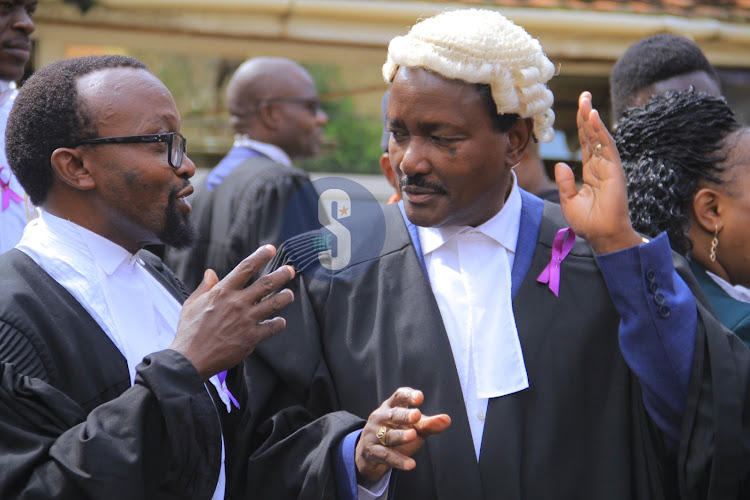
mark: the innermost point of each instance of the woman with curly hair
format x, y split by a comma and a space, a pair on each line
687, 161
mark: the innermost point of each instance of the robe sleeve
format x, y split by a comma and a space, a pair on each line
657, 327
292, 423
160, 436
694, 373
714, 454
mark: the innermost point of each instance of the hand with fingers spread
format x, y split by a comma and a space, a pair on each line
598, 212
222, 321
394, 432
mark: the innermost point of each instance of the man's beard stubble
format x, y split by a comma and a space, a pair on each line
178, 231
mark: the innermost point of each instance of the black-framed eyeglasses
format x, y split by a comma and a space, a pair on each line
177, 144
311, 103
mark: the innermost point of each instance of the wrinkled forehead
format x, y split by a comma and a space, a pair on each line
422, 80
415, 88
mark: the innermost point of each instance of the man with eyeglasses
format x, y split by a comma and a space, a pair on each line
255, 195
113, 382
16, 25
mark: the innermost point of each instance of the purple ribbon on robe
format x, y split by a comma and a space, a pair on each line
222, 377
7, 193
561, 247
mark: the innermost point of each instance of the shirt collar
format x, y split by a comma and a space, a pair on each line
272, 151
737, 292
503, 227
106, 254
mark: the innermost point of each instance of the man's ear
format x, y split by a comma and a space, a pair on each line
385, 167
68, 165
519, 135
707, 208
268, 116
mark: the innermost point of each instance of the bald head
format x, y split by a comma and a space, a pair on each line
260, 79
274, 100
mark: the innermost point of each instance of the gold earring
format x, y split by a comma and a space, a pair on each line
714, 244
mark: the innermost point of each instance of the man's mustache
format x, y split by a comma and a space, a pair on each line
419, 181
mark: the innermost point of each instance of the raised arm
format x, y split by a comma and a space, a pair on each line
657, 310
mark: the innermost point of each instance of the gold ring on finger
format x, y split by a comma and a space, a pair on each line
381, 435
598, 148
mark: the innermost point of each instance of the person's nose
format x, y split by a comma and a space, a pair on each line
414, 158
22, 20
187, 168
321, 118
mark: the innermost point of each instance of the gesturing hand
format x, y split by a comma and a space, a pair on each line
394, 432
599, 211
222, 321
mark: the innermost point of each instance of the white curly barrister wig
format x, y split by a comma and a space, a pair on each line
482, 46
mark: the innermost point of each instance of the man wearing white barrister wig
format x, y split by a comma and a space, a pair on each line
509, 359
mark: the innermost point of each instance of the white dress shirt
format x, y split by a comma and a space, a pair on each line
14, 218
135, 311
737, 292
270, 151
470, 274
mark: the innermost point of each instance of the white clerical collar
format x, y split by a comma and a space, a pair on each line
503, 227
272, 151
106, 254
737, 292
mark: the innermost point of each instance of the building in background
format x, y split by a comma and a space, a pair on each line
194, 46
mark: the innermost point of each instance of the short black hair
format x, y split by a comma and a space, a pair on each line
48, 114
650, 60
667, 148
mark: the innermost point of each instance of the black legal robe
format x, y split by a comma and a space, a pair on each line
71, 426
580, 431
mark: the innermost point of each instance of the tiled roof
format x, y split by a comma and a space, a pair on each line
726, 10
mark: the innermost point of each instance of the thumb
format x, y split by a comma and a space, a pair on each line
566, 181
432, 425
209, 281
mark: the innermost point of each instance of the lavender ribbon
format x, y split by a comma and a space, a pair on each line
222, 377
561, 247
7, 193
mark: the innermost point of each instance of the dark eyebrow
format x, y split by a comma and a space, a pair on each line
393, 123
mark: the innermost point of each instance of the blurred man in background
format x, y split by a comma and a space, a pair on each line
16, 25
656, 64
255, 195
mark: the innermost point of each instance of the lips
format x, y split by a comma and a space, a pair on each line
182, 203
417, 195
19, 48
186, 191
17, 44
416, 190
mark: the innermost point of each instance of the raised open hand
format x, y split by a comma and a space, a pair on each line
394, 432
598, 212
222, 321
